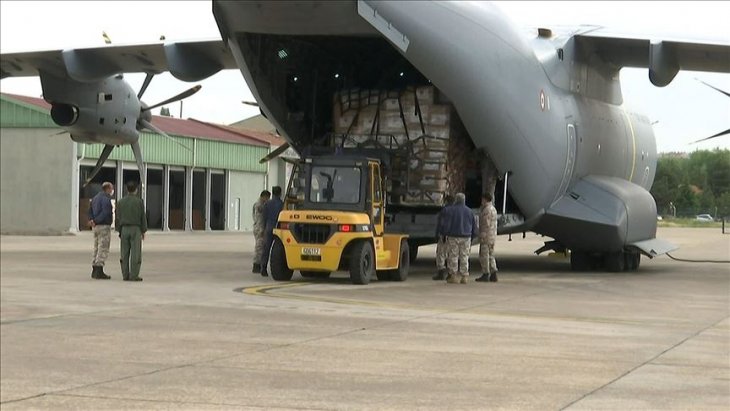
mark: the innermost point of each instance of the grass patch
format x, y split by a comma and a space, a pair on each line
690, 222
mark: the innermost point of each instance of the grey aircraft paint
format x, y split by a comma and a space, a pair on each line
580, 165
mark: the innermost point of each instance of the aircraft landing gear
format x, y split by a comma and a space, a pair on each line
581, 261
616, 262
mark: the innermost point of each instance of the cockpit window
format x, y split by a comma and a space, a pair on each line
335, 185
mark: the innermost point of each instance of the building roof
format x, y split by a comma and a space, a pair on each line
273, 140
257, 123
33, 101
184, 127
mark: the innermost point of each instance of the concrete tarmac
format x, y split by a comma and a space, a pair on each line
202, 332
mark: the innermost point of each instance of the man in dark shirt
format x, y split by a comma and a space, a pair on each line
457, 222
132, 226
100, 220
441, 243
272, 208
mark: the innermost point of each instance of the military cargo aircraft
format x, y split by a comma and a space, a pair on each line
545, 110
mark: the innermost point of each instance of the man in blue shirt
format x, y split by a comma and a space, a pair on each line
459, 225
272, 208
100, 220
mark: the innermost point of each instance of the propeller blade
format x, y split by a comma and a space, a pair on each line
137, 150
102, 159
146, 124
59, 133
714, 88
147, 81
184, 94
251, 103
720, 134
275, 153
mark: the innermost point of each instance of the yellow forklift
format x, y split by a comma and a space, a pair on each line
334, 220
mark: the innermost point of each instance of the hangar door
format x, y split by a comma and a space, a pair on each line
243, 191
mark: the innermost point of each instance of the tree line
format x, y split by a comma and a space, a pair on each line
696, 183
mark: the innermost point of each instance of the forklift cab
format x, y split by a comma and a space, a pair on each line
338, 183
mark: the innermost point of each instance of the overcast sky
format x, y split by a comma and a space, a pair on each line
685, 110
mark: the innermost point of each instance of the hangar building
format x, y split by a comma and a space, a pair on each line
211, 185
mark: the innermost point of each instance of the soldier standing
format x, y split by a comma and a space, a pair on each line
259, 225
487, 238
272, 208
100, 220
459, 226
132, 226
441, 244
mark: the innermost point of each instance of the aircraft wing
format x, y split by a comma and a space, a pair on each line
187, 61
663, 57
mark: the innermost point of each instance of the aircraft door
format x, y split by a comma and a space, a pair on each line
377, 214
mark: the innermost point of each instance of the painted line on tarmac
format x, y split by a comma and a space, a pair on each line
267, 290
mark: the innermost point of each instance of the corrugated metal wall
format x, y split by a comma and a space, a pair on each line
20, 115
155, 148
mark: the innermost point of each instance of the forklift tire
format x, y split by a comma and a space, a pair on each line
314, 274
413, 253
383, 275
362, 263
279, 269
401, 273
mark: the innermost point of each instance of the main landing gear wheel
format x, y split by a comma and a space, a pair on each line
279, 269
401, 273
314, 274
633, 260
580, 261
362, 263
614, 262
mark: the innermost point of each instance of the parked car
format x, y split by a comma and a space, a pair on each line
704, 217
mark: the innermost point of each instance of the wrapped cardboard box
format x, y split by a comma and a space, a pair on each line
439, 115
443, 132
390, 104
390, 122
425, 94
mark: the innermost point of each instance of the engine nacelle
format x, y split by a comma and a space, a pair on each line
64, 115
97, 112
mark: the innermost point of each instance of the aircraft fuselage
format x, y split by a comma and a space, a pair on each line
579, 165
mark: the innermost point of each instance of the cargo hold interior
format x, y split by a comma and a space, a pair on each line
300, 78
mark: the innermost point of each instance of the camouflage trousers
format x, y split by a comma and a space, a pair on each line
486, 258
458, 249
441, 253
102, 239
259, 238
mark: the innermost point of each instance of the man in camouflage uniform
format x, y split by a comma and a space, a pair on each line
441, 244
131, 222
487, 238
459, 225
259, 227
100, 221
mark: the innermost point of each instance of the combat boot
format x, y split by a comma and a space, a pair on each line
256, 268
464, 279
483, 279
493, 277
101, 275
94, 272
453, 279
264, 272
440, 275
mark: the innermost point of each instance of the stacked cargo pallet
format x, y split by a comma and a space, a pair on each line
412, 127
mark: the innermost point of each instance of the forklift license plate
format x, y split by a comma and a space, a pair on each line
311, 251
